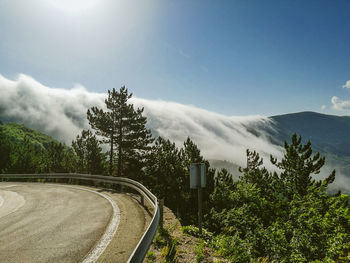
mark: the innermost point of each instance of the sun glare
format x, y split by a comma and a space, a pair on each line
73, 6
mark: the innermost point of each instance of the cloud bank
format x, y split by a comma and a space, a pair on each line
62, 114
56, 112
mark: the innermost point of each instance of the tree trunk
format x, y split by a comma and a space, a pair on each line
120, 151
111, 157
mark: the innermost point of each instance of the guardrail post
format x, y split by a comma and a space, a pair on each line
161, 209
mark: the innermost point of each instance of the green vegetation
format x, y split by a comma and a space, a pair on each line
17, 133
194, 231
286, 217
168, 245
199, 251
90, 158
24, 150
265, 216
123, 128
150, 257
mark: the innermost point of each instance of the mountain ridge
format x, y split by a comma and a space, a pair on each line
329, 133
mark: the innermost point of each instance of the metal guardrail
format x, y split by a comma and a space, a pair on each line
145, 242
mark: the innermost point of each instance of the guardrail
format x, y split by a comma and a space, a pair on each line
145, 242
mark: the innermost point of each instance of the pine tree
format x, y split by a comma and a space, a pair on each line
104, 126
54, 157
165, 174
89, 153
125, 128
298, 165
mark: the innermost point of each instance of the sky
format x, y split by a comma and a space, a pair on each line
230, 57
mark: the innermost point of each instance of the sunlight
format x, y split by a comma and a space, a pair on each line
74, 6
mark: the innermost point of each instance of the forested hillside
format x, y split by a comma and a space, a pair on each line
328, 133
23, 150
17, 133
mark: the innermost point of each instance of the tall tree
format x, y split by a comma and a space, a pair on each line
165, 174
123, 127
55, 154
298, 165
103, 124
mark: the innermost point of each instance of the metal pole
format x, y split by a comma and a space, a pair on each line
199, 198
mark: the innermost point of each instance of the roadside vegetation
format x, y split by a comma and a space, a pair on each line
285, 215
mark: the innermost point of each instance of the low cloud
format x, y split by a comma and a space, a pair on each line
347, 85
339, 104
218, 136
57, 112
62, 114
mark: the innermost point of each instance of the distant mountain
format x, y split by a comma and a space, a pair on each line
17, 133
327, 133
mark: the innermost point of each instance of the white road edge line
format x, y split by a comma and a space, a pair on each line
110, 231
108, 235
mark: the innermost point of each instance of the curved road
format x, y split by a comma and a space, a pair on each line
50, 223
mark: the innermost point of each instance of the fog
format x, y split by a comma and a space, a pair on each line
61, 114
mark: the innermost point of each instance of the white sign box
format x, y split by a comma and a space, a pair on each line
198, 169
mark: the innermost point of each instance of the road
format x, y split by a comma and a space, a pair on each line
61, 223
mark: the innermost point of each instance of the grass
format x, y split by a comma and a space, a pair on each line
168, 245
151, 257
199, 251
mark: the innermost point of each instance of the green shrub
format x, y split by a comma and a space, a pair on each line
199, 251
169, 252
194, 231
150, 257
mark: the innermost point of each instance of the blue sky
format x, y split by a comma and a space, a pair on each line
231, 57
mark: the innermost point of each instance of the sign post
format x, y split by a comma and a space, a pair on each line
198, 181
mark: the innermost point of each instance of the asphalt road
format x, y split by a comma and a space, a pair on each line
50, 223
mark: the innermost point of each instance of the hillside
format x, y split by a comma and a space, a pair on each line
16, 133
328, 133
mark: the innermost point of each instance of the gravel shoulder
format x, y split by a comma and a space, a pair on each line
133, 222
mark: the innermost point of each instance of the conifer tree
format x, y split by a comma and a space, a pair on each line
54, 156
298, 165
165, 174
89, 152
122, 127
102, 123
